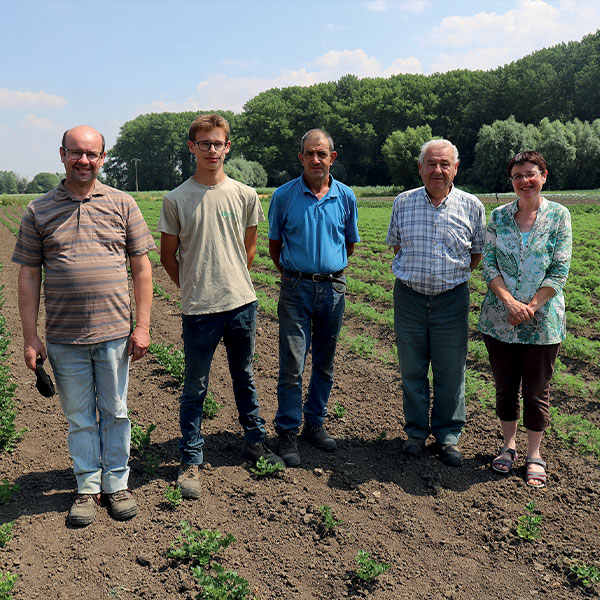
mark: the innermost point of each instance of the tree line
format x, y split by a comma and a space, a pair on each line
545, 101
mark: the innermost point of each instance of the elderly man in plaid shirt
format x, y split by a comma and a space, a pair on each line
437, 232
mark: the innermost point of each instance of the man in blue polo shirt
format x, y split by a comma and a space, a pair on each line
312, 231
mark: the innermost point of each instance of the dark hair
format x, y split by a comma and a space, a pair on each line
316, 133
527, 156
206, 123
64, 140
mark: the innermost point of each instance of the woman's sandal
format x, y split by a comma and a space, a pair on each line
506, 462
534, 475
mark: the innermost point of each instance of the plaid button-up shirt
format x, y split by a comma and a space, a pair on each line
436, 243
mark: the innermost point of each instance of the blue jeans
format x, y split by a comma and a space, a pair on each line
201, 335
308, 312
90, 378
432, 330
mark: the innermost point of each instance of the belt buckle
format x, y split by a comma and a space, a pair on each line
316, 277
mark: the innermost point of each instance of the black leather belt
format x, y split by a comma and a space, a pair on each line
314, 276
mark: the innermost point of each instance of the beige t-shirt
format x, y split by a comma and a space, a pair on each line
211, 223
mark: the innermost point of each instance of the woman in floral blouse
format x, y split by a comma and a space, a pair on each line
526, 261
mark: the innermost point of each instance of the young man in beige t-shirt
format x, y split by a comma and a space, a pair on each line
211, 220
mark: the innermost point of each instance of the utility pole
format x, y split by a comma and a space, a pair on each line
135, 162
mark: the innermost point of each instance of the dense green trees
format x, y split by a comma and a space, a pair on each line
11, 183
572, 151
547, 100
247, 171
155, 144
43, 182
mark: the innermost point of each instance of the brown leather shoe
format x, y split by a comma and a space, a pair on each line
83, 511
188, 480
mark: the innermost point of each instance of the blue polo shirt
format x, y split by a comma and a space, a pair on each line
314, 232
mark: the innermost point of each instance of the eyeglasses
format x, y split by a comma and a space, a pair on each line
528, 175
75, 154
205, 146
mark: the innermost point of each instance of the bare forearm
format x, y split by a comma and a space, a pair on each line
141, 271
275, 247
541, 297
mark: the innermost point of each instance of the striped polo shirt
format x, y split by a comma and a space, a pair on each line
83, 246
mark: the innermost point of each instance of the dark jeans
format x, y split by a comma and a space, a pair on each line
201, 335
309, 312
526, 366
432, 330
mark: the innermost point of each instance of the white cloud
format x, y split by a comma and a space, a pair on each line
530, 25
412, 6
20, 99
36, 122
337, 27
221, 91
377, 5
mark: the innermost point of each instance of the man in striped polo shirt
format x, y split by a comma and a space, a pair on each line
82, 234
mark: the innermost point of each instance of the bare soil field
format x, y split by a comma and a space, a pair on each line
448, 533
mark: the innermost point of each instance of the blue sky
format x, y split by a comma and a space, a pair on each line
104, 62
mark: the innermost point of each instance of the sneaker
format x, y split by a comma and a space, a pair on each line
288, 448
450, 455
188, 480
414, 446
260, 450
122, 505
83, 511
316, 436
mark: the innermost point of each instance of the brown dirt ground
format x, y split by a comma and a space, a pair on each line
448, 533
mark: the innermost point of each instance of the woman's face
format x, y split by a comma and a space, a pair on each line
528, 181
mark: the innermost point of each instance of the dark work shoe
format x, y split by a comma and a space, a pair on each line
288, 448
450, 455
414, 446
316, 436
122, 505
254, 452
188, 480
83, 511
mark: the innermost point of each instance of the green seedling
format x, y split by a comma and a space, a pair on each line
264, 468
173, 496
7, 583
172, 359
140, 438
529, 524
160, 291
368, 568
7, 491
5, 533
329, 522
211, 407
151, 464
382, 435
222, 585
339, 410
587, 575
199, 546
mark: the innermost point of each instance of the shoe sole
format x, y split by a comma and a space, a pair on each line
80, 521
124, 515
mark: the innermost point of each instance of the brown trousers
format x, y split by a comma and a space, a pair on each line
525, 366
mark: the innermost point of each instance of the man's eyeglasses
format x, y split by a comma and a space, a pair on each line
75, 154
205, 146
528, 175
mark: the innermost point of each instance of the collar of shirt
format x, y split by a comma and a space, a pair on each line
331, 193
443, 202
61, 193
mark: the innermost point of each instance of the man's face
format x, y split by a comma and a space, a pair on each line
82, 170
316, 158
438, 170
210, 159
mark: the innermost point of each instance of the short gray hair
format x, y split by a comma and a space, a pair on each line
316, 133
438, 142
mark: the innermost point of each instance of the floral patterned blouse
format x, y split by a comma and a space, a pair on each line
543, 262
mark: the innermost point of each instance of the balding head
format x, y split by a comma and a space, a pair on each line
81, 129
